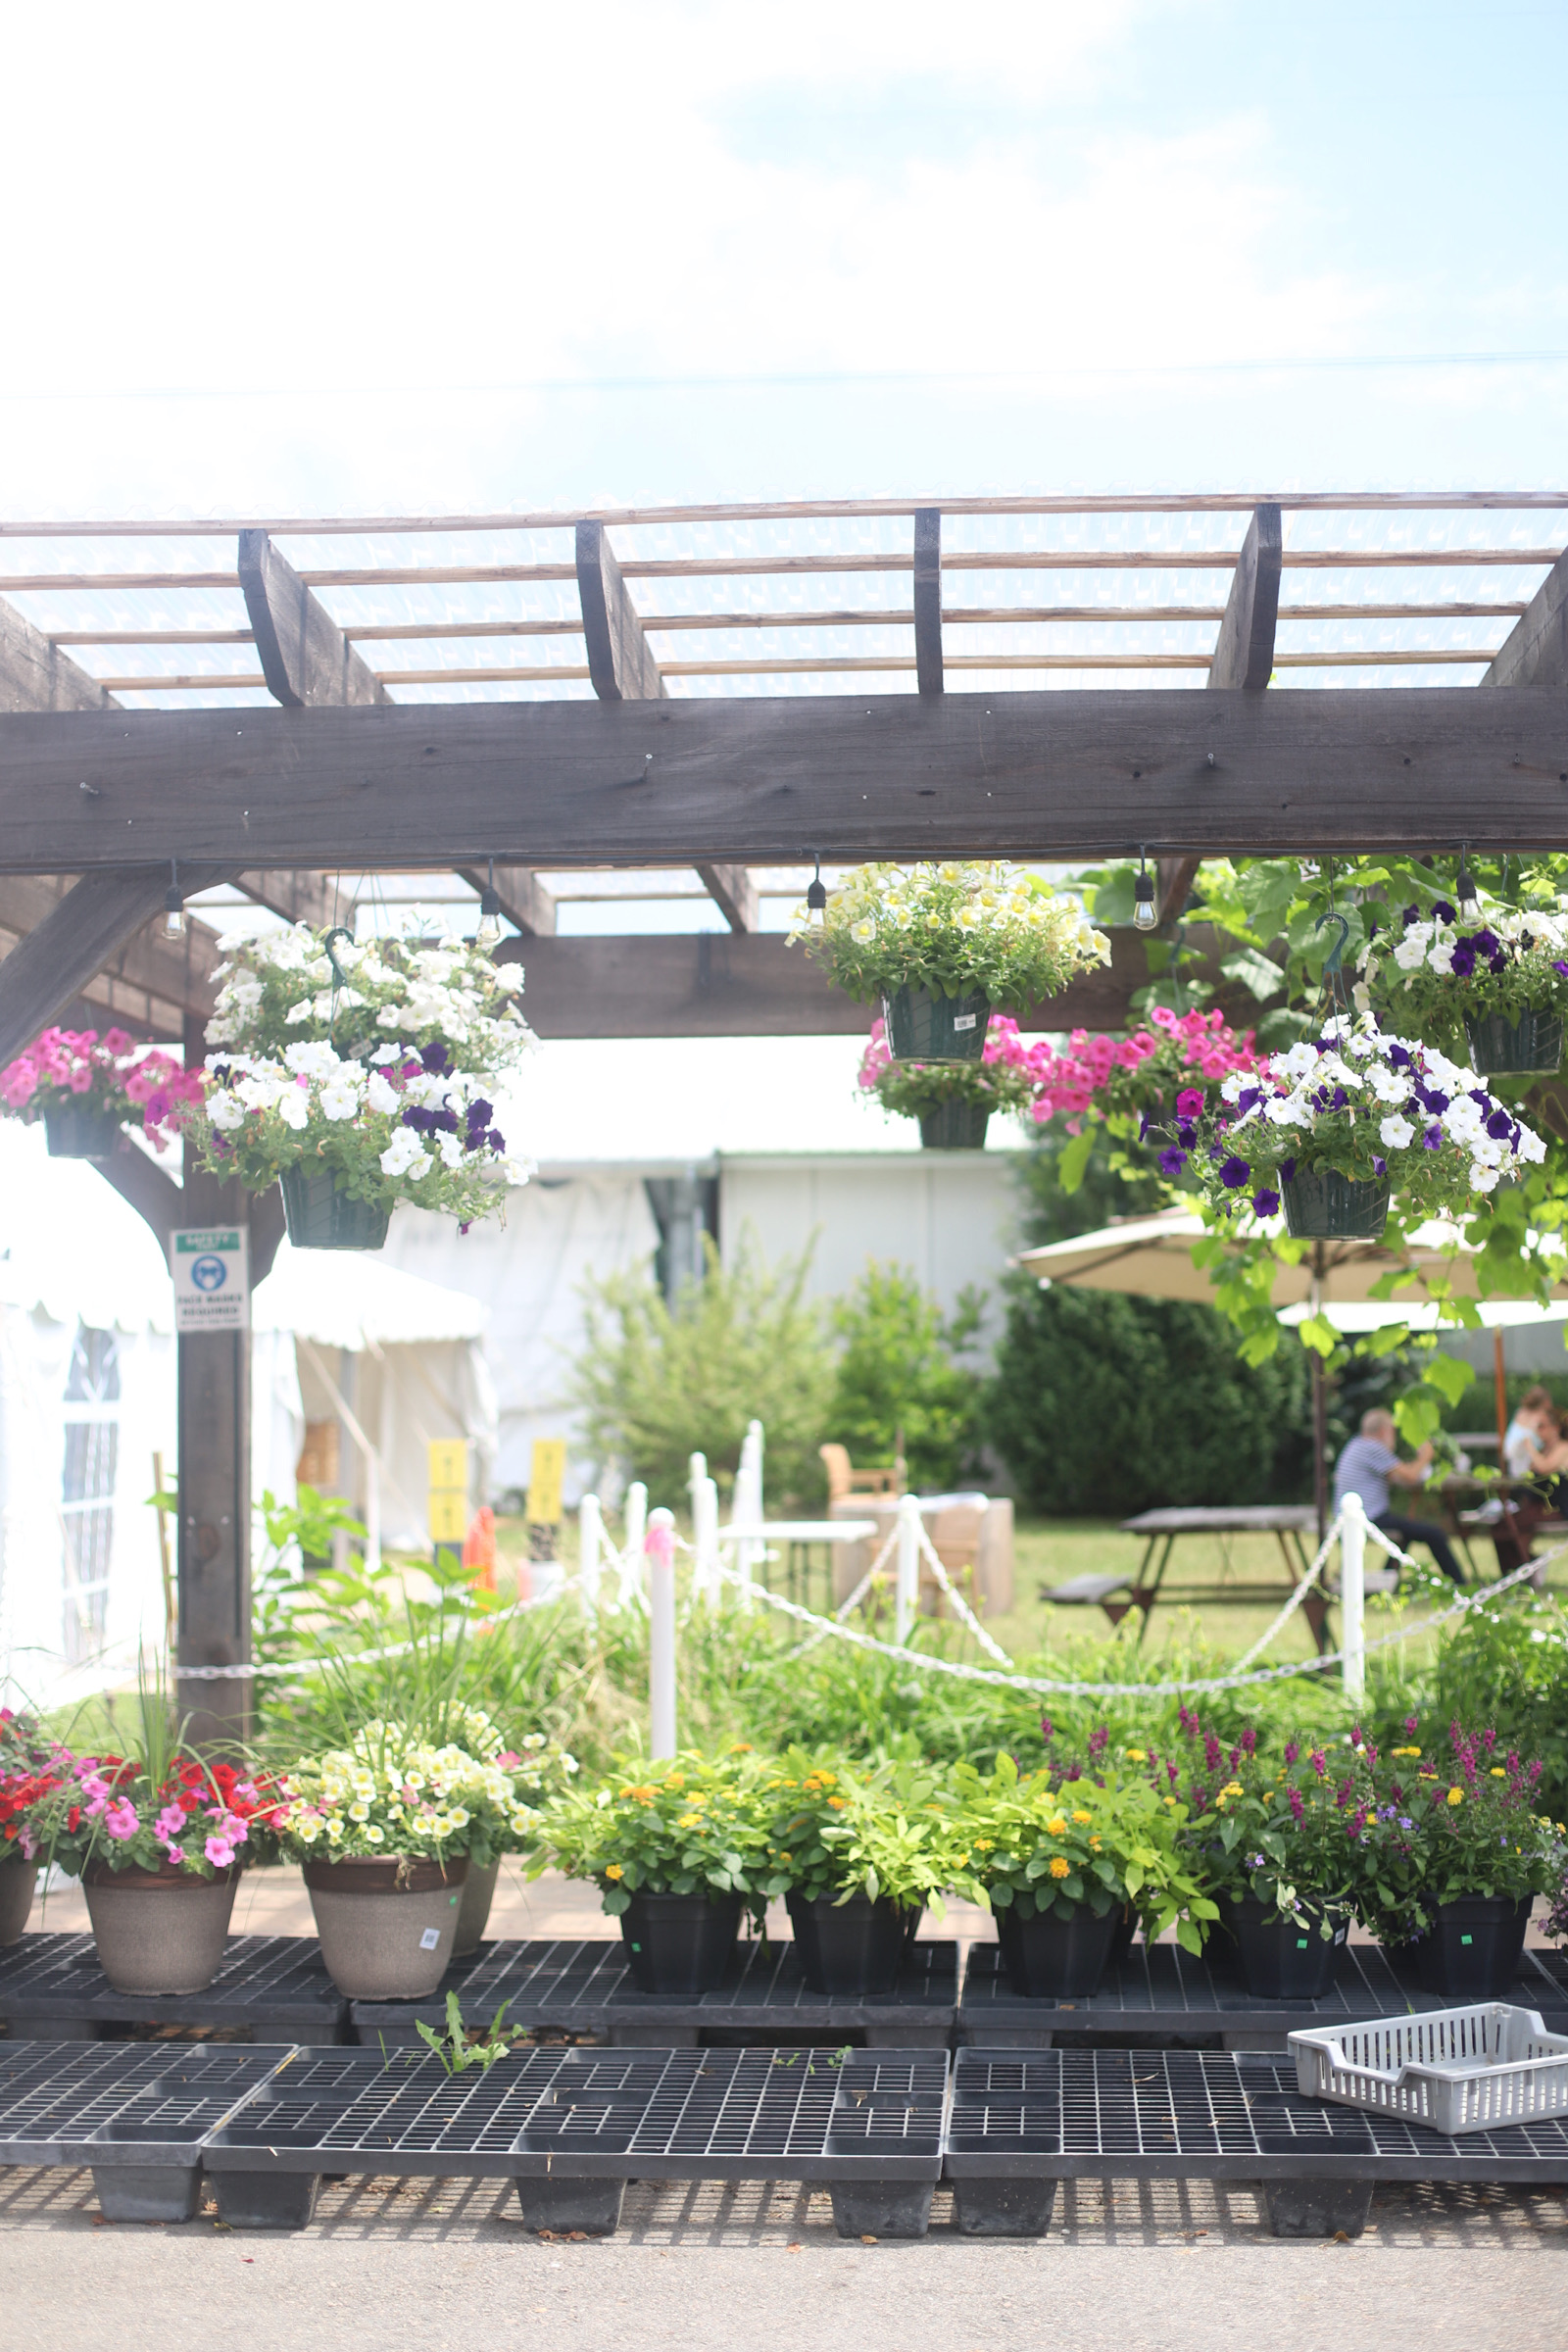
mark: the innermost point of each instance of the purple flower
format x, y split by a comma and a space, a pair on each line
1287, 1170
436, 1061
1412, 914
1172, 1161
1399, 1057
1442, 912
1462, 962
1379, 1168
1235, 1173
1499, 1124
1432, 1140
1486, 942
1245, 1101
1266, 1203
1561, 967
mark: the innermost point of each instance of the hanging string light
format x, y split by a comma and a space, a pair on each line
816, 890
489, 931
173, 904
1466, 895
1145, 913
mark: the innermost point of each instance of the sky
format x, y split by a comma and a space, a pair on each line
353, 259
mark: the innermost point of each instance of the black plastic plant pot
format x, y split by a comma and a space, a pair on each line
955, 1126
1472, 1950
923, 1027
80, 1131
1530, 1046
850, 1949
1122, 1943
1056, 1959
323, 1217
1281, 1959
1322, 1206
680, 1943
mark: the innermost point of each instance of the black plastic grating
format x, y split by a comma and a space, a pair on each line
1148, 2111
1159, 1987
729, 2111
273, 1983
57, 2097
585, 1986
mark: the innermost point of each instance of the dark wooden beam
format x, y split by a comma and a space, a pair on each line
620, 660
299, 898
1173, 882
524, 899
757, 984
91, 924
759, 782
1534, 652
35, 675
733, 892
1243, 654
306, 659
928, 599
176, 972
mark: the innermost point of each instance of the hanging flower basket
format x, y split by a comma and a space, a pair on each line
323, 1215
1501, 982
85, 1088
956, 1127
360, 1075
952, 1101
81, 1130
1322, 1206
922, 1026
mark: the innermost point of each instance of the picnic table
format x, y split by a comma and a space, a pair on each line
801, 1536
1288, 1523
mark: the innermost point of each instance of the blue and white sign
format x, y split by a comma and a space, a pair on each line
212, 1279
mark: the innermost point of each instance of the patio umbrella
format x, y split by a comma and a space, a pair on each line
1150, 1257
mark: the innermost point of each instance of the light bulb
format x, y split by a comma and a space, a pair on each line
174, 913
489, 931
816, 896
1145, 915
1467, 897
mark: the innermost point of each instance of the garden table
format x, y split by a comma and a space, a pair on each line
1288, 1523
799, 1535
274, 1988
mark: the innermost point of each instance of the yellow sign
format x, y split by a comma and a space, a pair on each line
544, 1484
449, 1463
449, 1515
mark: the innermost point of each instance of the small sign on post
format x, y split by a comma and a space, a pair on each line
448, 1502
543, 1506
211, 1266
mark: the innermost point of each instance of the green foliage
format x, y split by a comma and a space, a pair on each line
888, 1834
656, 1384
457, 2048
1105, 1404
953, 929
897, 1371
694, 1825
1508, 1665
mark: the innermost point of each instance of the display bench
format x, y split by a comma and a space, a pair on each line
271, 1987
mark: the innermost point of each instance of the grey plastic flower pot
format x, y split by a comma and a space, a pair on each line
17, 1878
955, 1127
1280, 1959
81, 1130
1531, 1046
1471, 1951
1056, 1959
473, 1912
849, 1949
321, 1215
386, 1926
159, 1930
1322, 1206
924, 1027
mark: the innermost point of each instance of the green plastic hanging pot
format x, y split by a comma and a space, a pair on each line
81, 1130
1322, 1206
321, 1215
1530, 1046
924, 1027
955, 1126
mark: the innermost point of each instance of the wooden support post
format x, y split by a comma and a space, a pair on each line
928, 599
48, 969
35, 675
1534, 652
299, 898
733, 892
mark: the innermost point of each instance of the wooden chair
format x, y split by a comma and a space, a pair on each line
843, 1478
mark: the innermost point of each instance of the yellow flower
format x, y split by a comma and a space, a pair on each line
838, 1803
1083, 1817
1136, 1755
1059, 1866
1234, 1789
1057, 1826
613, 1870
1456, 1796
983, 1845
1170, 1801
1498, 1772
1093, 1845
689, 1821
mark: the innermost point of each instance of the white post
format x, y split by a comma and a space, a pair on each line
590, 1552
906, 1605
660, 1554
1352, 1594
746, 1504
632, 1558
696, 1472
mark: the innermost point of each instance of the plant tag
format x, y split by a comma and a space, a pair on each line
1301, 1944
1468, 1940
429, 1939
965, 1021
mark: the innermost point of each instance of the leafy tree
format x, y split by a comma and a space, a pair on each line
898, 1371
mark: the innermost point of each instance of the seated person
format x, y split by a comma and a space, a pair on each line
1369, 1466
1531, 1432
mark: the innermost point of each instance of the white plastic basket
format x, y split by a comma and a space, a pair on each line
1454, 2069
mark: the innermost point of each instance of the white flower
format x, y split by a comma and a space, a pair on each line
405, 1155
451, 1150
294, 1108
380, 1095
1397, 1133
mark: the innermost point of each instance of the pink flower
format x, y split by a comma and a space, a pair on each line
170, 1821
118, 1041
176, 1853
219, 1853
121, 1819
1190, 1102
80, 1079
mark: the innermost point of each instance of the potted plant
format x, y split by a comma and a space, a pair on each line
1499, 982
85, 1088
952, 1099
359, 1076
534, 1770
1060, 1862
1120, 1085
941, 945
678, 1852
1340, 1122
1452, 1853
383, 1826
1275, 1852
157, 1842
858, 1856
31, 1766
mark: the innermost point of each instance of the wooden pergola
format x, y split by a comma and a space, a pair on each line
627, 747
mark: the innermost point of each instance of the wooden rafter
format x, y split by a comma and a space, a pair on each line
928, 600
84, 930
1534, 653
306, 659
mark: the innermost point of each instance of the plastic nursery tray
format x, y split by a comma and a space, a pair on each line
272, 1987
1160, 1993
1021, 2120
137, 2111
585, 1988
572, 2126
1456, 2070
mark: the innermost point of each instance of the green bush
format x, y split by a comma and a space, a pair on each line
656, 1383
897, 1371
1104, 1405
